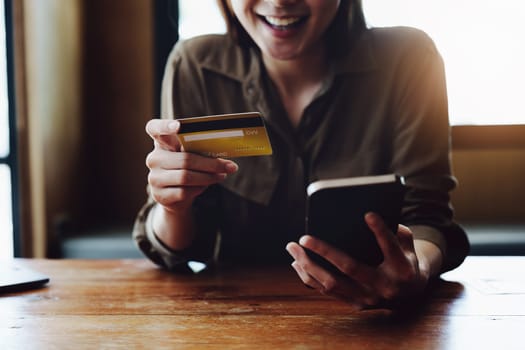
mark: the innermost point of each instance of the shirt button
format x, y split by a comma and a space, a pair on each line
249, 89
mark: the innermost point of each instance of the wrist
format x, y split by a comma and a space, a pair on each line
429, 258
173, 226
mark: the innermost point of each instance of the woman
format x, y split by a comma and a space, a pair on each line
339, 100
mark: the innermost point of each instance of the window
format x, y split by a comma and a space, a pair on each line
199, 17
482, 43
6, 153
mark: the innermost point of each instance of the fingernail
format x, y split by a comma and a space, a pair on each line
370, 217
303, 240
289, 250
231, 167
173, 125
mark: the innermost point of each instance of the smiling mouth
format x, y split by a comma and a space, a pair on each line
283, 23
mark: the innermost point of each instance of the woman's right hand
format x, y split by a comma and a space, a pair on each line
176, 177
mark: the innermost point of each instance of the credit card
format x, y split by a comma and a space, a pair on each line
225, 135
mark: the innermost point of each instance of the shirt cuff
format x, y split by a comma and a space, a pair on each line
169, 256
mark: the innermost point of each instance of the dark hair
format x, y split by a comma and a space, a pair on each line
349, 20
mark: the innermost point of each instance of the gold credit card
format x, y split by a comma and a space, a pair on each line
225, 135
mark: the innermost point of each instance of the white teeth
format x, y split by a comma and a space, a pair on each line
282, 21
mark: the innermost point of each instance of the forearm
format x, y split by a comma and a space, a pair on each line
175, 228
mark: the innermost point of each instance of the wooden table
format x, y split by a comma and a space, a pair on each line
132, 304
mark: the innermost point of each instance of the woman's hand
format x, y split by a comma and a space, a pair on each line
405, 270
177, 177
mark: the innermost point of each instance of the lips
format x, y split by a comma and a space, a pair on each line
283, 23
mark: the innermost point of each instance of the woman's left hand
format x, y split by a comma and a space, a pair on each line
401, 274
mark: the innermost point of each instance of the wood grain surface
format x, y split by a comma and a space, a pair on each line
132, 304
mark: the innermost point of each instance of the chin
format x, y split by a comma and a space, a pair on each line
283, 54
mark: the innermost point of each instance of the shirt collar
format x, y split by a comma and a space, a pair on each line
233, 62
242, 65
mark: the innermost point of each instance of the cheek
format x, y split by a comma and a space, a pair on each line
325, 4
241, 10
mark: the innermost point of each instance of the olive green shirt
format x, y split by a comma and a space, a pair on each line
382, 109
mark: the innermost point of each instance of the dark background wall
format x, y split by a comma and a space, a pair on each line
118, 100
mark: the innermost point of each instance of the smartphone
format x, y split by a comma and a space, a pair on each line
336, 209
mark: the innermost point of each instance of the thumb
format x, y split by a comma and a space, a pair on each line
164, 133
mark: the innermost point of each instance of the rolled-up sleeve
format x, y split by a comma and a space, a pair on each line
202, 250
422, 152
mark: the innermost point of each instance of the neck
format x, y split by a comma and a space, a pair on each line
292, 76
297, 80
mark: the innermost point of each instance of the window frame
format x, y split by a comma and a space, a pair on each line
480, 137
166, 32
11, 160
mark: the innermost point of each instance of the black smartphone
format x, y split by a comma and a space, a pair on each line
15, 278
336, 209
